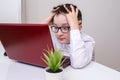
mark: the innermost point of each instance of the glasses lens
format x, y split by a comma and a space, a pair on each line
65, 28
54, 28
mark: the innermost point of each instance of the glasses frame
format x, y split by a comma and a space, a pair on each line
60, 28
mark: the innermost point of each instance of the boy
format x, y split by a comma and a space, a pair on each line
66, 23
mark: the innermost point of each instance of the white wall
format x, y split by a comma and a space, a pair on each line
101, 19
10, 11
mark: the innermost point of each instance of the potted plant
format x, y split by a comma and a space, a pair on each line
54, 61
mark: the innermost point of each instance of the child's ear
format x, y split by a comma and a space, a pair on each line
80, 22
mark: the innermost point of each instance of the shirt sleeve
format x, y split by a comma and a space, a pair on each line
81, 50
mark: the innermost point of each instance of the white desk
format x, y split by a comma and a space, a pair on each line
12, 70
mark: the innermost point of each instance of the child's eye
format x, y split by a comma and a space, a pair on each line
65, 28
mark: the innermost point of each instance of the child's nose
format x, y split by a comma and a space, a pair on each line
60, 32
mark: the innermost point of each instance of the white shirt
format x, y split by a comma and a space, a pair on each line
80, 50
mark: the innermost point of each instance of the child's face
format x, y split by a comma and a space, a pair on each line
61, 21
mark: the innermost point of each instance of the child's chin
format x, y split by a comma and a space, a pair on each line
62, 42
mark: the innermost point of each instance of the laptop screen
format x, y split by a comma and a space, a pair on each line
26, 42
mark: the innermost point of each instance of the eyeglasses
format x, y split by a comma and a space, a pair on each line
63, 29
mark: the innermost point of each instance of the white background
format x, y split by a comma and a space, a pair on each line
10, 11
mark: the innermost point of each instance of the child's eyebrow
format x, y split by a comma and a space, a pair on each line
54, 24
64, 24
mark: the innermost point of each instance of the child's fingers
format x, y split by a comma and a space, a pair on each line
55, 9
76, 11
66, 9
72, 8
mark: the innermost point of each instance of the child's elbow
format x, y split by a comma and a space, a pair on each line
77, 65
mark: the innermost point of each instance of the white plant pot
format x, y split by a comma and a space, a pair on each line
53, 76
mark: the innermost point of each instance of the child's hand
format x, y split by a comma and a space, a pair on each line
49, 19
72, 18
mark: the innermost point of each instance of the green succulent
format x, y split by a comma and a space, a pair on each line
54, 60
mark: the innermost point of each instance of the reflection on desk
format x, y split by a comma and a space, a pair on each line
19, 71
12, 70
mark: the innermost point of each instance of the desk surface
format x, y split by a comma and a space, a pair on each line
12, 70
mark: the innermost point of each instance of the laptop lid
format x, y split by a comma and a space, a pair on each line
26, 42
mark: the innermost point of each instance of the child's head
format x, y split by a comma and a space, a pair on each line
60, 23
61, 9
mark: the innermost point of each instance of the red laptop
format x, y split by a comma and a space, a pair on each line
26, 42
